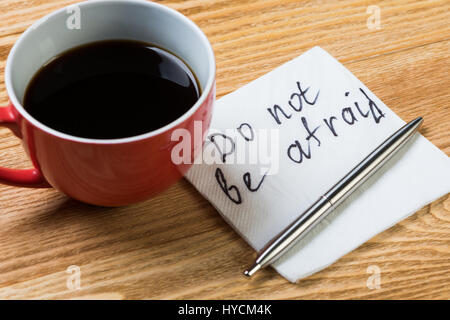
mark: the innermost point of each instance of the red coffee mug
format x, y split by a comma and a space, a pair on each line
109, 172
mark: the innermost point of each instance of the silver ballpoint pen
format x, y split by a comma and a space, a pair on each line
281, 243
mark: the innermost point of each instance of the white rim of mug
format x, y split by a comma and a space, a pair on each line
205, 93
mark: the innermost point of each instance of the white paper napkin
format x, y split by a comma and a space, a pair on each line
311, 102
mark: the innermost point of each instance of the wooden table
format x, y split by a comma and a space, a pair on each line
176, 245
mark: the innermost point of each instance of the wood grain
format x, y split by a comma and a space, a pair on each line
176, 245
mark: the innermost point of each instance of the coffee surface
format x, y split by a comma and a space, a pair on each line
111, 89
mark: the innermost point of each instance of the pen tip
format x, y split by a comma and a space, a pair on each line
416, 123
251, 271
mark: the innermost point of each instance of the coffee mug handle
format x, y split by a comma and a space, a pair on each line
31, 178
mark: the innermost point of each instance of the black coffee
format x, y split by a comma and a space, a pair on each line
111, 89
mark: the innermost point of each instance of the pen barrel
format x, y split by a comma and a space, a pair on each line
370, 164
294, 232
